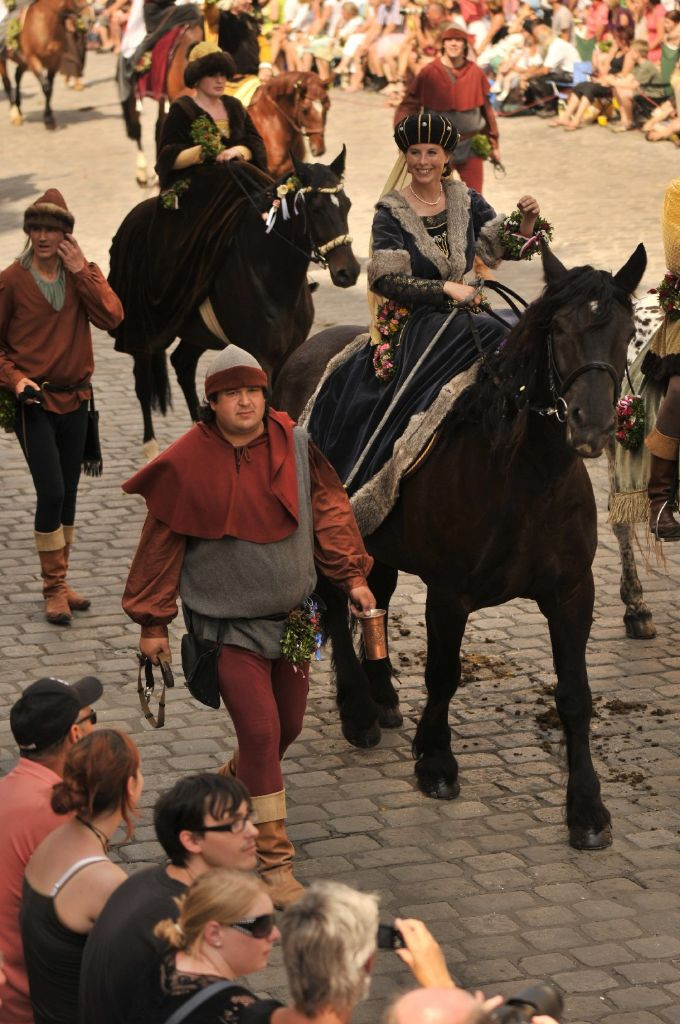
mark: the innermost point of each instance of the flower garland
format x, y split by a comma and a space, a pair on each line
669, 295
389, 321
13, 34
206, 134
170, 196
516, 246
630, 429
8, 409
143, 65
480, 145
291, 184
302, 636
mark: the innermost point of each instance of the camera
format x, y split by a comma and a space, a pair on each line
536, 999
390, 937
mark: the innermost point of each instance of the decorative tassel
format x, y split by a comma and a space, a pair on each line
629, 507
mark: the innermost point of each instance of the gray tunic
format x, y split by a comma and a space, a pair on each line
237, 592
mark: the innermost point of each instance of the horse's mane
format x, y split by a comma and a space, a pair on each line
284, 83
514, 377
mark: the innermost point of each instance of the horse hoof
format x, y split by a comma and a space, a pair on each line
590, 838
441, 789
390, 718
639, 625
15, 116
150, 449
50, 124
142, 180
362, 738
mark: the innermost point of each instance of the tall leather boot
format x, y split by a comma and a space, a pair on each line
76, 601
275, 851
51, 552
662, 484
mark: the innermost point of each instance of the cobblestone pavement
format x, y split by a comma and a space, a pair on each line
491, 873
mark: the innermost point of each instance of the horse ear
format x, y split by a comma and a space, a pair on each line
630, 274
552, 268
338, 165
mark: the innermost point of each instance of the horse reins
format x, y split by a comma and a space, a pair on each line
319, 251
558, 386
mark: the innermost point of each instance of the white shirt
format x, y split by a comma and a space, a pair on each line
561, 56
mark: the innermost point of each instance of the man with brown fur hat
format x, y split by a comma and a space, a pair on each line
242, 511
48, 297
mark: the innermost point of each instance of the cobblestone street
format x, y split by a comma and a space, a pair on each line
490, 873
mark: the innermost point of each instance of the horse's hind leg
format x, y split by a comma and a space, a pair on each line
47, 84
638, 615
358, 713
144, 391
436, 766
382, 581
185, 360
588, 819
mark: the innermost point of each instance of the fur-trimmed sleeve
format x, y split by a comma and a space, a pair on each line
389, 254
485, 224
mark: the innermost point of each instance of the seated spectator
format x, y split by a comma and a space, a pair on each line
422, 44
644, 79
226, 929
204, 821
562, 21
46, 721
608, 63
70, 877
326, 47
355, 50
557, 67
383, 54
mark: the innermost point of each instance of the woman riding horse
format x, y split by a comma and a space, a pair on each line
424, 239
166, 253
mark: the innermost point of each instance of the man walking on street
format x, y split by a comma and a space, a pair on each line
242, 511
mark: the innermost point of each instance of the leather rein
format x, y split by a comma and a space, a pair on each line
299, 128
558, 385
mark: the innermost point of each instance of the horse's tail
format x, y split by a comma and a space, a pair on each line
133, 125
152, 383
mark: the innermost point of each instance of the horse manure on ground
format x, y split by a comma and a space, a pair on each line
623, 707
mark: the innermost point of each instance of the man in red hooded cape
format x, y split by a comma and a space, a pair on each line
242, 511
457, 87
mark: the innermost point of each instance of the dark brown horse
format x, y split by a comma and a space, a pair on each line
502, 508
41, 45
260, 298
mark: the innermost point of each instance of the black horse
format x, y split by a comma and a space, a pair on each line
501, 508
259, 299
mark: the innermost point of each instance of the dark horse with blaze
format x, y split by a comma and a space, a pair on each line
501, 508
245, 280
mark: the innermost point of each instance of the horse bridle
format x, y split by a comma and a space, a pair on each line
304, 132
558, 385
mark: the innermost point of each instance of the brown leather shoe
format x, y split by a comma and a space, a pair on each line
53, 571
661, 490
275, 851
76, 601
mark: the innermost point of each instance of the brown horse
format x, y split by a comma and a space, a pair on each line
40, 48
289, 112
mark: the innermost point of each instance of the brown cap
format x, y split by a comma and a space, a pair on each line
234, 368
456, 33
50, 211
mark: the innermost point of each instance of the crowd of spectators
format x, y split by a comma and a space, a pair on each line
83, 943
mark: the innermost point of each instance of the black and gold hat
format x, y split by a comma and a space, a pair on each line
426, 128
207, 59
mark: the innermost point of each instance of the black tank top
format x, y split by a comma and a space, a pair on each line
52, 953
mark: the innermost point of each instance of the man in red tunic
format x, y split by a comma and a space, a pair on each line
242, 511
457, 87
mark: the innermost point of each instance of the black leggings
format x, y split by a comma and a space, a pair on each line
53, 446
593, 90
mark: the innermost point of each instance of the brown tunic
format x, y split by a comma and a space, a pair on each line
54, 345
152, 588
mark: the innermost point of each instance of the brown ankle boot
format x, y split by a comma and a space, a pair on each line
275, 852
661, 490
53, 571
76, 601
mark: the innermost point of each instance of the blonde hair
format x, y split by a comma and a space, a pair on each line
641, 46
218, 895
327, 938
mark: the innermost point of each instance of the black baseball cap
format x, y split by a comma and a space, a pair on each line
48, 708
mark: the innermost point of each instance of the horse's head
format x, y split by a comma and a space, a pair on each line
588, 337
327, 208
310, 110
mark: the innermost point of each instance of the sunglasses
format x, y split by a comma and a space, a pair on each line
257, 927
92, 717
236, 826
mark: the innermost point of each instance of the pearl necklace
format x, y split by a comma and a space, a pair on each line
426, 202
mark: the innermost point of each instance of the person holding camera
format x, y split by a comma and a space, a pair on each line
48, 297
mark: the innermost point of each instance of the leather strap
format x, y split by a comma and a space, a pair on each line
145, 689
